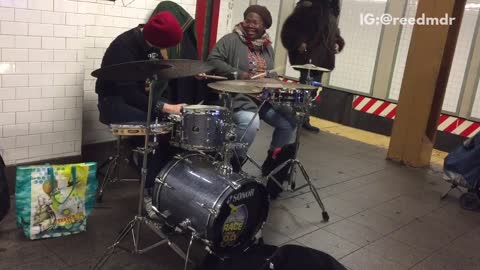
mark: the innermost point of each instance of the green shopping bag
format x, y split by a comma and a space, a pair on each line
55, 200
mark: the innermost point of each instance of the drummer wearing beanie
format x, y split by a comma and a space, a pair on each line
127, 101
121, 101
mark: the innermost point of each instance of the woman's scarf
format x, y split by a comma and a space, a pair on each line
257, 44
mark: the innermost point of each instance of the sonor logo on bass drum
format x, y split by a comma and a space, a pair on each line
241, 196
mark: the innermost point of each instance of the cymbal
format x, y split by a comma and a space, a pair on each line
141, 70
255, 86
311, 67
239, 87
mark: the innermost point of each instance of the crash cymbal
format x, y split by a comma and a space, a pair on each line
142, 70
311, 67
256, 86
240, 87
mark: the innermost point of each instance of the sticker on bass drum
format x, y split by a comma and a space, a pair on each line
234, 225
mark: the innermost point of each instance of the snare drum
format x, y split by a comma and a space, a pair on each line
200, 128
294, 98
139, 128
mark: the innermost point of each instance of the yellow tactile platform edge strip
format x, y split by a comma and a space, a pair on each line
367, 137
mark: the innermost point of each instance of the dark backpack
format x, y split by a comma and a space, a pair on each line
465, 160
4, 194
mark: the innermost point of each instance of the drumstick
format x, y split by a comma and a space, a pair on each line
215, 77
258, 75
264, 73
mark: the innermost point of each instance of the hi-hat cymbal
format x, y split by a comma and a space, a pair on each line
256, 86
311, 67
142, 70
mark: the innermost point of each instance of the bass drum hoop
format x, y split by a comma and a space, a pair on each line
212, 222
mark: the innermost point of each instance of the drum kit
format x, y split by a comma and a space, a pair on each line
197, 194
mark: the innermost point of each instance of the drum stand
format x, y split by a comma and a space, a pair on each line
300, 118
296, 162
112, 174
134, 225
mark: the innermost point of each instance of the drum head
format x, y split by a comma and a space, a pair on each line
203, 108
241, 215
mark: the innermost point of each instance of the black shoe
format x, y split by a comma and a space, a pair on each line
268, 164
281, 176
310, 128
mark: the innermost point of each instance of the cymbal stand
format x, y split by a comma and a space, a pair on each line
300, 118
134, 226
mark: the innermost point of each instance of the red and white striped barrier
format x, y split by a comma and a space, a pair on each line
446, 123
375, 106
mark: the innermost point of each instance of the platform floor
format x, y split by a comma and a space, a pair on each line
382, 216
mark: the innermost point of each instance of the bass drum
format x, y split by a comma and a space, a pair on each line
190, 191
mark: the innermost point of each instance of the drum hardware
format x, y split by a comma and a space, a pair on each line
300, 112
255, 86
112, 174
137, 71
200, 128
293, 162
223, 207
311, 66
229, 198
212, 211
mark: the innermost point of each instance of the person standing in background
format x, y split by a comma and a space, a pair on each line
311, 33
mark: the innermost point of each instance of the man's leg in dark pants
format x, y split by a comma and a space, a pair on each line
317, 76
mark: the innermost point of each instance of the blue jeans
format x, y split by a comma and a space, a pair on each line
241, 120
284, 127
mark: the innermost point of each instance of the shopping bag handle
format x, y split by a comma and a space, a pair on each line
52, 182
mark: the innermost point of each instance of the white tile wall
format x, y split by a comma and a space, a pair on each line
35, 29
354, 67
14, 28
460, 60
28, 92
27, 15
53, 17
7, 14
45, 47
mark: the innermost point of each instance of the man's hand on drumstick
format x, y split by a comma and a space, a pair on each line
201, 76
173, 108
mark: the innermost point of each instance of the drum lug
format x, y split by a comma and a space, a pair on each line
234, 185
210, 210
162, 182
186, 223
209, 250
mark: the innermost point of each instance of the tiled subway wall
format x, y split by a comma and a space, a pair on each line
48, 50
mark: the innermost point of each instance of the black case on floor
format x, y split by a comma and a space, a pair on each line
267, 257
4, 195
294, 257
254, 258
